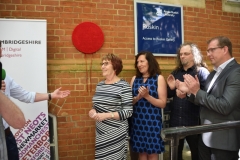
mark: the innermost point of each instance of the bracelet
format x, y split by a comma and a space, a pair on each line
49, 96
112, 114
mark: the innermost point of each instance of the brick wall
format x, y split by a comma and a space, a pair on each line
67, 67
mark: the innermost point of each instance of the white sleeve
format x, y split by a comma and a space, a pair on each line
16, 91
5, 124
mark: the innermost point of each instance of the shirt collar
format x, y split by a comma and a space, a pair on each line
192, 68
222, 66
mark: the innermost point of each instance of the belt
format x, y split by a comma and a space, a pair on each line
7, 131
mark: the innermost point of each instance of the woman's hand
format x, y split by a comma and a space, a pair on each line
92, 113
143, 91
101, 116
98, 116
139, 96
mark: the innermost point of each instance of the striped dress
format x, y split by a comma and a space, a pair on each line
111, 134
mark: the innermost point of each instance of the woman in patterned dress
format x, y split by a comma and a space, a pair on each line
112, 105
149, 96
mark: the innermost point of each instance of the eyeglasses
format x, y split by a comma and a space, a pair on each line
104, 63
210, 50
185, 54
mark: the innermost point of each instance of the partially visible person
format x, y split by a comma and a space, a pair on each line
112, 106
219, 101
11, 89
149, 91
8, 109
184, 113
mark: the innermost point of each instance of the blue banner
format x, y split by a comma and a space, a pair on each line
159, 28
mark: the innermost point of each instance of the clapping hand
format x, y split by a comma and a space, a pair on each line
171, 82
180, 94
192, 83
182, 86
143, 91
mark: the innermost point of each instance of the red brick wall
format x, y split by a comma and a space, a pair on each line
67, 66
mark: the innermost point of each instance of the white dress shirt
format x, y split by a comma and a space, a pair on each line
218, 72
16, 91
207, 136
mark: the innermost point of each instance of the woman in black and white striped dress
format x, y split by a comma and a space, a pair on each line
112, 105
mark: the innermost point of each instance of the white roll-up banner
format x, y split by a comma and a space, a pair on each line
24, 59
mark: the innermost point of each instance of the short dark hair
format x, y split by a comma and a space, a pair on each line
223, 41
153, 68
116, 62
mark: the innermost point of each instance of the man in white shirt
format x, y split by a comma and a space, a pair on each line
12, 89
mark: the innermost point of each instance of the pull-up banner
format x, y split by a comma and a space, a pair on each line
24, 59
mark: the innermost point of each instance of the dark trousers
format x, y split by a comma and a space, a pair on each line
193, 145
12, 149
207, 153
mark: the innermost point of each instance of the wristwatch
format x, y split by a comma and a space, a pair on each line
49, 96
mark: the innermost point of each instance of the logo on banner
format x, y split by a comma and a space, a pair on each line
33, 139
15, 52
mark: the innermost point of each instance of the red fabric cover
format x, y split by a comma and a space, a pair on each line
87, 37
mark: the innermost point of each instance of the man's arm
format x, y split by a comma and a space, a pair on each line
11, 113
12, 89
224, 98
54, 95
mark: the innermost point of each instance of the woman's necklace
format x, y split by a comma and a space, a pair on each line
145, 78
